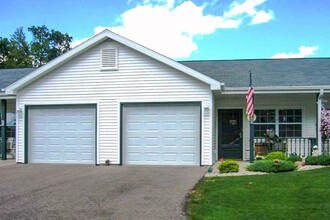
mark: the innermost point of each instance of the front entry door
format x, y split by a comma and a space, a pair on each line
230, 133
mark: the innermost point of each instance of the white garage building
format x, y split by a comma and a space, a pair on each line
112, 99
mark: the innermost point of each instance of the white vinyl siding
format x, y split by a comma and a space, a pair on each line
138, 79
305, 102
214, 129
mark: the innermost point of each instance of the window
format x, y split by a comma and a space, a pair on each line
285, 122
11, 125
109, 59
266, 119
290, 122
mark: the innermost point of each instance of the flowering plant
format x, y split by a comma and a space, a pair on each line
271, 137
325, 123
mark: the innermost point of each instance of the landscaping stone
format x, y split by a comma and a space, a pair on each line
243, 172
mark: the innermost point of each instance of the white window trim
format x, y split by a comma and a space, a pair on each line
277, 121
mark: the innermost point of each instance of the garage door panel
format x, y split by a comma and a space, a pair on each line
170, 157
62, 134
169, 126
161, 134
170, 141
87, 141
188, 126
39, 155
152, 126
134, 157
151, 157
188, 157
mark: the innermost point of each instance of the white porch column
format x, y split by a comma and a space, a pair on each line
319, 109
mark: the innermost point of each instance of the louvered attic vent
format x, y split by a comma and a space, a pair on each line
109, 59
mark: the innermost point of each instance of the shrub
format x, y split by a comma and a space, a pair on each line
318, 160
294, 158
260, 157
269, 166
276, 155
228, 166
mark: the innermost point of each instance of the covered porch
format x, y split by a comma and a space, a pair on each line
8, 128
293, 117
8, 111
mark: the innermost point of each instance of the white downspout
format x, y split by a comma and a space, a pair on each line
319, 109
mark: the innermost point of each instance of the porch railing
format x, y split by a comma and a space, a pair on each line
326, 146
299, 146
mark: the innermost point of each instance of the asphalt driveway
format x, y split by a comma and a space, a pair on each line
95, 192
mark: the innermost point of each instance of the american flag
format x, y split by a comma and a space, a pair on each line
249, 100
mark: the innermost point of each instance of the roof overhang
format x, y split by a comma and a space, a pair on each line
4, 96
104, 35
277, 90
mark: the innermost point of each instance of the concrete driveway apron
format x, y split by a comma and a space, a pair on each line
95, 192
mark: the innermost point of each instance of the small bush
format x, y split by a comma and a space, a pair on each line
260, 157
277, 155
294, 158
269, 166
228, 166
318, 160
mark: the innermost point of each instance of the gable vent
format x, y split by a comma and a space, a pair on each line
109, 58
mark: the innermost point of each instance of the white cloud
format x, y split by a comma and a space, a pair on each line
76, 42
169, 31
170, 26
304, 51
249, 8
262, 17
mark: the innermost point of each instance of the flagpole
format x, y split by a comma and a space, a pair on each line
251, 129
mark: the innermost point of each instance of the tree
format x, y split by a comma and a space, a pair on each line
325, 123
4, 51
19, 50
45, 46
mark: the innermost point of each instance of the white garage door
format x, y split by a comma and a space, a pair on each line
161, 135
61, 134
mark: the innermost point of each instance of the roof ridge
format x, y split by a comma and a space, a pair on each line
259, 59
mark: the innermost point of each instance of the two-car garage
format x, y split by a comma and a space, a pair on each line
112, 99
151, 134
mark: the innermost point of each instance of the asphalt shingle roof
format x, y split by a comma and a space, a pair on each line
9, 76
235, 73
266, 72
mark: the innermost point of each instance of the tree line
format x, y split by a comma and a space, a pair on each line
17, 52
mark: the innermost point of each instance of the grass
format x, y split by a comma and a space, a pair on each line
294, 195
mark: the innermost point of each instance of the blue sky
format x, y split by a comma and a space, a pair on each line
187, 30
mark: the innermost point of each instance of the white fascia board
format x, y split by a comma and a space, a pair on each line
6, 97
276, 90
12, 89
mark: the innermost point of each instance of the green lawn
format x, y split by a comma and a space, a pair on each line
292, 195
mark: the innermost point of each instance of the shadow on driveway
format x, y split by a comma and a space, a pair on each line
95, 192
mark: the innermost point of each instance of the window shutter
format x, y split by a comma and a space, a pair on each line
109, 58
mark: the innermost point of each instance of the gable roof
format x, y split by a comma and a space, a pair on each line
9, 76
104, 35
303, 74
